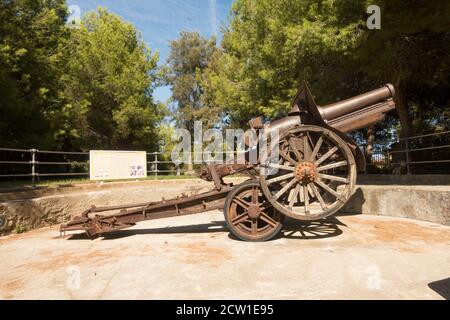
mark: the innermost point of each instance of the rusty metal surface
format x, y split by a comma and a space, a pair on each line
250, 215
344, 107
129, 215
317, 163
362, 118
316, 174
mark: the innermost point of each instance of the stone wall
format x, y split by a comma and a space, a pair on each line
35, 208
429, 203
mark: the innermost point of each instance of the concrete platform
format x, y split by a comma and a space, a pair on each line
193, 257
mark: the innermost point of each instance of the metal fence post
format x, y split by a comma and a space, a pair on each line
33, 166
408, 171
156, 165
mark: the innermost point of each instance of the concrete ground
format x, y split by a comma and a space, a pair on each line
193, 257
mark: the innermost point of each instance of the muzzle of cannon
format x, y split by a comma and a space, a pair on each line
312, 176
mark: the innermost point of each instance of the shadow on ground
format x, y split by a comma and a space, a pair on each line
307, 230
214, 226
293, 229
441, 287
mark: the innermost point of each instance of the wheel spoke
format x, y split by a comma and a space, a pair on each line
305, 192
306, 147
332, 165
334, 178
254, 195
265, 217
285, 188
297, 154
301, 197
280, 166
327, 188
318, 196
281, 178
254, 223
316, 149
326, 155
293, 196
239, 219
265, 205
244, 204
310, 191
286, 157
311, 143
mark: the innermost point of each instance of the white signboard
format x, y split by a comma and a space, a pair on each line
107, 165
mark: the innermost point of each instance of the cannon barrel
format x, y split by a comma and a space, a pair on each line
344, 107
346, 116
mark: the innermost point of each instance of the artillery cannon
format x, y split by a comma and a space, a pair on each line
312, 177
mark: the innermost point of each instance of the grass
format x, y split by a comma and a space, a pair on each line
71, 181
20, 229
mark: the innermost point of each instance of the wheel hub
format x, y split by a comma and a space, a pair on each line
306, 172
254, 211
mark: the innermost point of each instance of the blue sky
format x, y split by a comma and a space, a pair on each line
160, 21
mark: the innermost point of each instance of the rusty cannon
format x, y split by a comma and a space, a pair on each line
312, 177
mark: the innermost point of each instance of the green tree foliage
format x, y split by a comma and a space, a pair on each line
412, 50
189, 57
31, 34
271, 45
74, 88
108, 83
268, 47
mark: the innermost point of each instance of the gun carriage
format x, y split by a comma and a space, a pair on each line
312, 176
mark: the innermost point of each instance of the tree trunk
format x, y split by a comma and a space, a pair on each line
406, 128
403, 112
370, 141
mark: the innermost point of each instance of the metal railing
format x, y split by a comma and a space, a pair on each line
410, 155
33, 162
176, 168
27, 163
412, 152
154, 169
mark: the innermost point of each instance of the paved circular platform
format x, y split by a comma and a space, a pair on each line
193, 257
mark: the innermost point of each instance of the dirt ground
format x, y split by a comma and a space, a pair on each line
194, 257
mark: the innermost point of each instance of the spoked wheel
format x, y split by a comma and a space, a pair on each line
314, 175
249, 215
